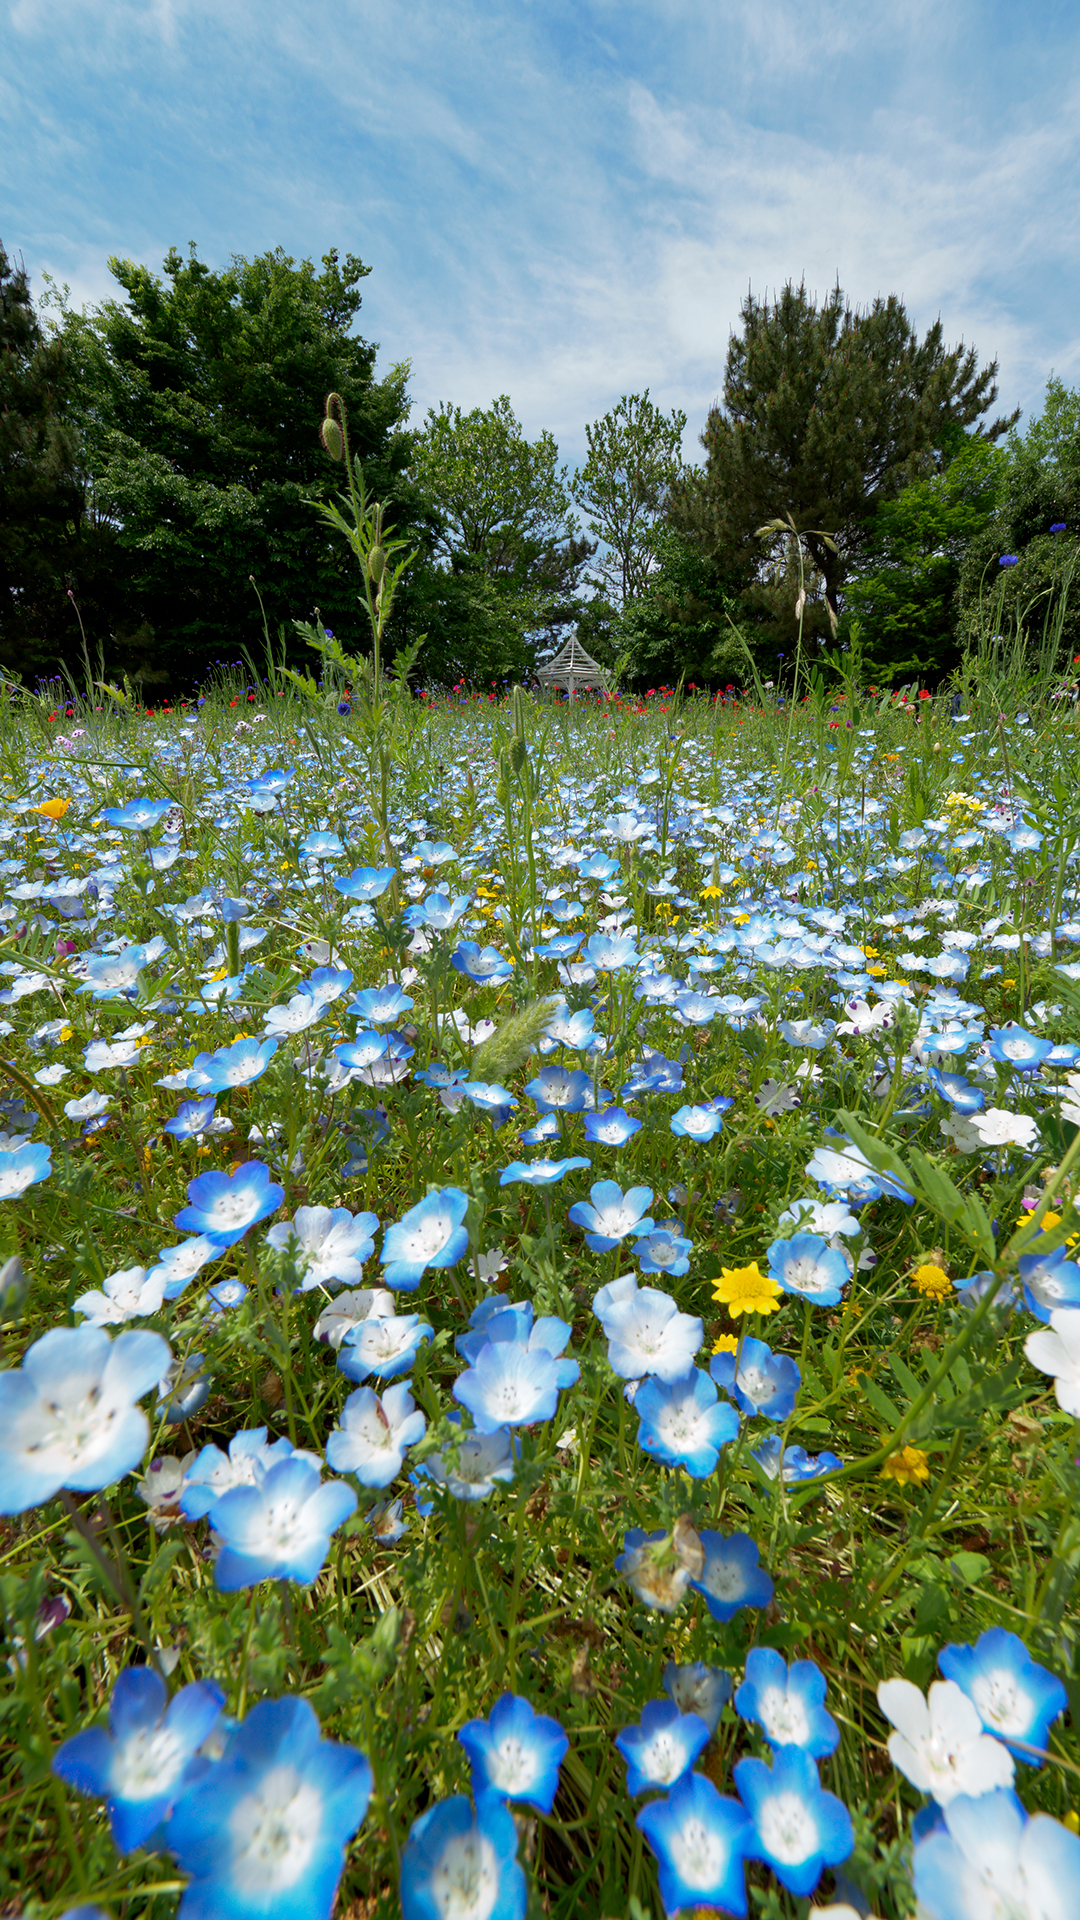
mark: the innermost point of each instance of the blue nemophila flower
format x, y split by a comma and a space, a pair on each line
987, 1856
702, 1122
558, 948
280, 1528
364, 883
185, 1388
683, 1422
223, 1206
561, 1089
509, 1385
457, 1862
612, 1215
236, 1066
664, 1251
796, 1466
213, 1473
434, 853
787, 1703
193, 1118
1017, 1048
731, 1577
546, 1128
438, 911
380, 1006
326, 984
430, 1234
798, 1828
612, 1128
22, 1166
515, 1753
807, 1266
484, 965
806, 1033
147, 1759
846, 1170
1014, 1697
653, 1073
374, 1434
320, 846
296, 1016
226, 1294
540, 1173
471, 1467
960, 1093
701, 1839
265, 1830
565, 1029
662, 1748
646, 1333
384, 1346
609, 954
495, 1320
697, 1688
1050, 1281
177, 1266
139, 815
329, 1244
69, 1415
490, 1099
758, 1380
370, 1049
695, 1009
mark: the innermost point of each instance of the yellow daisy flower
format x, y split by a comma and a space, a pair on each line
909, 1467
932, 1281
747, 1290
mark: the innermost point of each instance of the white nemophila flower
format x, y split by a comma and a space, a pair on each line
774, 1097
332, 1244
959, 1129
350, 1310
127, 1295
863, 1018
375, 1433
1056, 1350
999, 1128
52, 1076
161, 1487
89, 1107
939, 1743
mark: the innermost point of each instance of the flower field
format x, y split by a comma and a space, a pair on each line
541, 1332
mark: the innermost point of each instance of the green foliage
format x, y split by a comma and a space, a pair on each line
904, 594
681, 627
195, 398
40, 493
502, 552
827, 411
635, 454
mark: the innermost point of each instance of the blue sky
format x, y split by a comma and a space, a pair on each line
565, 200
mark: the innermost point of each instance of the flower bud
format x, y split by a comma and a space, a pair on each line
331, 436
377, 562
14, 1288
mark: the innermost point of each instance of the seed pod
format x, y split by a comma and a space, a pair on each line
518, 752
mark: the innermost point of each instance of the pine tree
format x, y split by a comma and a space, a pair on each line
828, 411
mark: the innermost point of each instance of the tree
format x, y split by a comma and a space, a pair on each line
635, 453
40, 494
905, 594
827, 412
503, 548
200, 396
1035, 523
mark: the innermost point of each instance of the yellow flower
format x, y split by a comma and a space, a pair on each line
1008, 983
909, 1468
877, 973
711, 893
871, 953
747, 1290
1071, 1820
932, 1280
727, 1343
65, 1033
52, 809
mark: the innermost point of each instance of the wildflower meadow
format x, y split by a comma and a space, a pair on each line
540, 1327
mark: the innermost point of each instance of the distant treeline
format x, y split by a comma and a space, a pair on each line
160, 454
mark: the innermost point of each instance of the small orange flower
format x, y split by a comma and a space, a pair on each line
52, 809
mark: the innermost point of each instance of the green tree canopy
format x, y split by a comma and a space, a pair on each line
503, 551
827, 412
40, 493
635, 454
199, 399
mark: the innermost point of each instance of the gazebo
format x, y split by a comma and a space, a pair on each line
572, 668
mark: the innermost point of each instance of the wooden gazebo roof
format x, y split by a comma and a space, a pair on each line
572, 668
